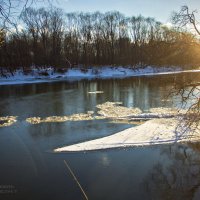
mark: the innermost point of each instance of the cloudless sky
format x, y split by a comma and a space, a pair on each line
159, 9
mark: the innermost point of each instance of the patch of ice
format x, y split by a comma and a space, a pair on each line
96, 92
82, 116
7, 121
113, 110
50, 119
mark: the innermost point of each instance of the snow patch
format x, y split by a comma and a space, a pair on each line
36, 75
152, 132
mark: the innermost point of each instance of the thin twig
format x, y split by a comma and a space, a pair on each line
71, 172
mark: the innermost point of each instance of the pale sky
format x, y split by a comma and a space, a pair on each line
159, 9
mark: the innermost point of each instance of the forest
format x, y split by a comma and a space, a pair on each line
50, 37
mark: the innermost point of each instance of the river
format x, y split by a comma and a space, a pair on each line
29, 169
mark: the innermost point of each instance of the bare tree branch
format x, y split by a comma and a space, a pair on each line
185, 17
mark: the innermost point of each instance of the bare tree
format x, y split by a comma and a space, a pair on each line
56, 34
50, 37
189, 92
186, 17
10, 9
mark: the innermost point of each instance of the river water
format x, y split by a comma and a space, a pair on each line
29, 169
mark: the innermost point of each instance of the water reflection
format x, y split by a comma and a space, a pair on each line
105, 160
179, 178
62, 98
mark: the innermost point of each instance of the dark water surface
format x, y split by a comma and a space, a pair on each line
28, 169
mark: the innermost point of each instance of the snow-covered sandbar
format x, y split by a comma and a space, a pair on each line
155, 131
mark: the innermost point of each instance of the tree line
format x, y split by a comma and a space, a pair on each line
50, 37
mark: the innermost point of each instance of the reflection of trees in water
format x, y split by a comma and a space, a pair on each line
178, 177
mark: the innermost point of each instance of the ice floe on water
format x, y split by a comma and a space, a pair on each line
155, 131
115, 110
38, 120
50, 119
106, 111
7, 121
95, 92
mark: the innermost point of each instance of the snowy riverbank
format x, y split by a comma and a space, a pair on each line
49, 74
